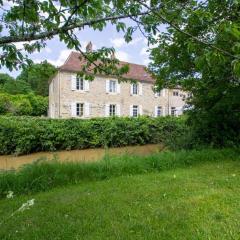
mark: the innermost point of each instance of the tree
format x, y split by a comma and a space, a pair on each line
4, 77
9, 85
200, 51
34, 22
37, 76
16, 87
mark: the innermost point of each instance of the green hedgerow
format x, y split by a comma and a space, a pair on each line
22, 135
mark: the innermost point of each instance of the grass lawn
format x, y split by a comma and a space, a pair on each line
199, 202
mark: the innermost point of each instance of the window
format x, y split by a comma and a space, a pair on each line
134, 110
112, 86
173, 111
175, 93
79, 83
158, 111
79, 109
112, 110
135, 88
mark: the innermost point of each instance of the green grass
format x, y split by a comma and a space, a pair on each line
198, 202
43, 176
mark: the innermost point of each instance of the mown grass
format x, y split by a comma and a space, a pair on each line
43, 176
195, 203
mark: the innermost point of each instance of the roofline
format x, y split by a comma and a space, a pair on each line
104, 75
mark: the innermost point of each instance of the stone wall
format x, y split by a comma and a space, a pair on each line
97, 98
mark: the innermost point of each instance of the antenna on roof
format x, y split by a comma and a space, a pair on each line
89, 47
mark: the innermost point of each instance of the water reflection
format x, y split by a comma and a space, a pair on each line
8, 162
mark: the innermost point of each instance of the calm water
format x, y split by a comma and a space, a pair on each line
8, 162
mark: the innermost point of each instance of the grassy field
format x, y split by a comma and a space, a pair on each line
198, 202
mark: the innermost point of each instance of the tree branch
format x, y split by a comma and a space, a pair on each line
186, 33
49, 34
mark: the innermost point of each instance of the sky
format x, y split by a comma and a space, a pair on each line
56, 52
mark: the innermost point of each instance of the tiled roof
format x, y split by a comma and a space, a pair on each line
75, 61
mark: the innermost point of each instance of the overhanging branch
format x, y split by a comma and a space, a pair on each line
49, 34
162, 18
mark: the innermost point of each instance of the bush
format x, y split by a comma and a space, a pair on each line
42, 176
19, 105
21, 135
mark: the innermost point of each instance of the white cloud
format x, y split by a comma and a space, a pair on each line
146, 61
123, 56
61, 58
117, 42
144, 52
135, 41
48, 50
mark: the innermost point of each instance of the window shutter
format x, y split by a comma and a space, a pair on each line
169, 111
163, 92
156, 108
140, 110
73, 109
163, 111
73, 82
118, 87
87, 109
107, 86
131, 111
107, 110
179, 111
86, 85
140, 89
118, 110
131, 89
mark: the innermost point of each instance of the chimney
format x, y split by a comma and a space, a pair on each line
89, 47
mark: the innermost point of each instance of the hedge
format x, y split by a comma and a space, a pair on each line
22, 135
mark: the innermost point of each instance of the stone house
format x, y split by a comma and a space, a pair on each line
74, 97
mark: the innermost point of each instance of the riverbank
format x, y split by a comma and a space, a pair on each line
10, 162
43, 176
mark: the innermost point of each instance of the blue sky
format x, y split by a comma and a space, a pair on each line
56, 52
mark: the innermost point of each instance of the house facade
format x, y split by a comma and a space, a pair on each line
74, 97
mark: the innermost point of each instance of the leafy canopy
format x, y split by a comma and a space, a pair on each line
200, 51
37, 76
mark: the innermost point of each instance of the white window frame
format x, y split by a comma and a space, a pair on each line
85, 109
158, 111
80, 109
112, 86
80, 84
135, 89
109, 88
135, 107
175, 93
173, 111
112, 110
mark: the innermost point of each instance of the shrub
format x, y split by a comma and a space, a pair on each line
21, 104
21, 135
5, 103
